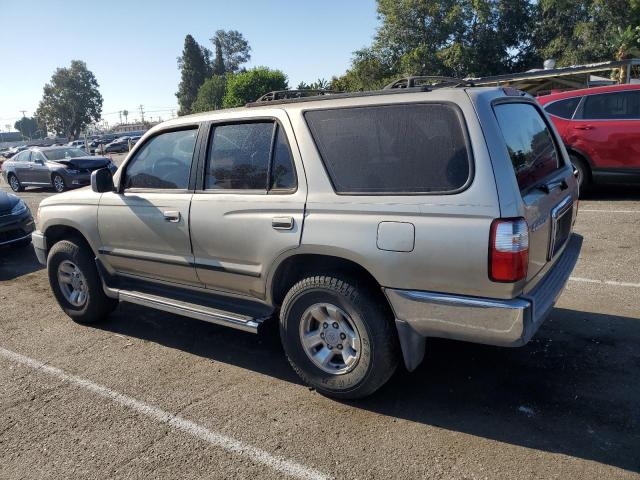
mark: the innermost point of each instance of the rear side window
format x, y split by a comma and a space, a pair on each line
612, 106
392, 149
563, 108
529, 142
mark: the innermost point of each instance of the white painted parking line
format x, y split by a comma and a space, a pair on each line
605, 282
595, 210
229, 444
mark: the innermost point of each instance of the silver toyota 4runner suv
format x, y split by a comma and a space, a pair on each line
364, 223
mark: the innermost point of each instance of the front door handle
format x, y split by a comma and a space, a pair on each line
282, 223
172, 216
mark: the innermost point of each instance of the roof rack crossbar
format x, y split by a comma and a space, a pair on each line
291, 94
430, 81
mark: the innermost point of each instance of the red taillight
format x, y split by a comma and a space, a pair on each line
508, 250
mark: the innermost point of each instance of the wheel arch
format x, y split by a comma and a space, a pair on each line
58, 232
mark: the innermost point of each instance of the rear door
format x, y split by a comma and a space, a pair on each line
542, 177
606, 128
23, 166
249, 205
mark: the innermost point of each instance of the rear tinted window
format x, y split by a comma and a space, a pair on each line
563, 108
529, 142
419, 148
612, 106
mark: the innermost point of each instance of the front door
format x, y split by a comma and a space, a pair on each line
39, 171
249, 207
144, 227
606, 129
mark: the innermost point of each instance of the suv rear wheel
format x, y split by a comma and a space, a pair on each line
338, 337
76, 284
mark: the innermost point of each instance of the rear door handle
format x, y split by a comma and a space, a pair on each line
172, 216
282, 223
584, 127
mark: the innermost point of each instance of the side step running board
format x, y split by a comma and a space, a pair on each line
199, 312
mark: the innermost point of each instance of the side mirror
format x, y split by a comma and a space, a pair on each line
102, 181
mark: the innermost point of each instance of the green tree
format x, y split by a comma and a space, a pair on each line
218, 65
248, 86
442, 37
234, 49
194, 69
71, 101
211, 94
29, 127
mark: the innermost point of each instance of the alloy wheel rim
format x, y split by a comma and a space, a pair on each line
330, 338
14, 183
58, 183
73, 283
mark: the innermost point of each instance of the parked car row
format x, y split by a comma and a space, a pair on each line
58, 167
601, 130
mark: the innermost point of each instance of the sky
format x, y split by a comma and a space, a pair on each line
132, 46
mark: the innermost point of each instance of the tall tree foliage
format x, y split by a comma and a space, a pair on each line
71, 100
487, 37
29, 127
194, 69
234, 49
211, 94
248, 86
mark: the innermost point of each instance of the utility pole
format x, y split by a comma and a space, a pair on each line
23, 113
142, 113
120, 115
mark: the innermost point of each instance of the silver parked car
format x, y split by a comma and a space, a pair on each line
363, 223
57, 167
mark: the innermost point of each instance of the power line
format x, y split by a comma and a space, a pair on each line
142, 113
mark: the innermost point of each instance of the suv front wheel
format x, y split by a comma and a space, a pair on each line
75, 282
338, 337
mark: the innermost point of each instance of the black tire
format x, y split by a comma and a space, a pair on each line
58, 183
97, 305
368, 311
13, 182
584, 174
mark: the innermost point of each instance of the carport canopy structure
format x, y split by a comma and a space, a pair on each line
564, 78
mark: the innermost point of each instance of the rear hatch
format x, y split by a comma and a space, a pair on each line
545, 181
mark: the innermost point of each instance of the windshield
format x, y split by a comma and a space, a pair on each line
62, 153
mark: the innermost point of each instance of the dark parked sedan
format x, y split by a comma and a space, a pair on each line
16, 223
57, 167
119, 145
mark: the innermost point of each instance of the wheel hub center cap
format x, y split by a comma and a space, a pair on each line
332, 336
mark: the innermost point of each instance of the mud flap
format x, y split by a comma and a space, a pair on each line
412, 344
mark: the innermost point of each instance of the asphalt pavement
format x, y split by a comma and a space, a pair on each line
153, 395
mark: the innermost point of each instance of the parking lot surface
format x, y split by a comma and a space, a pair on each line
152, 395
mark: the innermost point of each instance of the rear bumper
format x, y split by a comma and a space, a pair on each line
507, 323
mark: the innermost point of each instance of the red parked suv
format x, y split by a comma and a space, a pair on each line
601, 130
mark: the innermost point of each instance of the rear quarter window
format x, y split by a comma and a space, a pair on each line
393, 149
529, 142
563, 108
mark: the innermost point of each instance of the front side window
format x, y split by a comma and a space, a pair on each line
392, 149
164, 162
563, 108
529, 142
612, 106
37, 157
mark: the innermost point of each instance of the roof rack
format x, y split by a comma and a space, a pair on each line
291, 94
428, 81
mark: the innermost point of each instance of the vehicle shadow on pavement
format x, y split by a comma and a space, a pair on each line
573, 390
16, 262
615, 193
